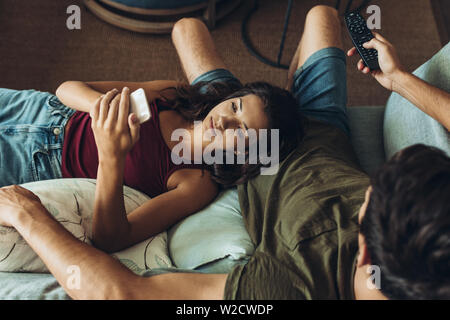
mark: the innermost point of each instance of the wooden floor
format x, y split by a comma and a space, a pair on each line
441, 10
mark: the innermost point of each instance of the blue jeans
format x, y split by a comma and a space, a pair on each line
31, 136
320, 86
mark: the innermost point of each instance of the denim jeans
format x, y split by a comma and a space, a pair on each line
31, 136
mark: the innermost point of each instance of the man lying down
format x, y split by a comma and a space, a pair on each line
317, 225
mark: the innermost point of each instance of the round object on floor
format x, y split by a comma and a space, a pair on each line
156, 16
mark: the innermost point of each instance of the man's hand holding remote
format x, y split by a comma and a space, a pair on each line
390, 65
431, 100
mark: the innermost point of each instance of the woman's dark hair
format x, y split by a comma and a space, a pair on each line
406, 226
194, 102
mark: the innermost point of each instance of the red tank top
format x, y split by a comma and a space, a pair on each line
147, 167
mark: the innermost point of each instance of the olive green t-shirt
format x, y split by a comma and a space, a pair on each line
303, 222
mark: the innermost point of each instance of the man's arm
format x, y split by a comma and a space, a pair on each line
101, 276
431, 100
195, 48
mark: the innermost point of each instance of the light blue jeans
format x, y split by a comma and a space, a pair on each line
405, 124
31, 136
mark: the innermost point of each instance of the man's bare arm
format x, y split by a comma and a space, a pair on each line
101, 276
195, 48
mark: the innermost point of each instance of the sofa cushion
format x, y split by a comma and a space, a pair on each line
30, 286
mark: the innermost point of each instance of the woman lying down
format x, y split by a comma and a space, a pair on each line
87, 131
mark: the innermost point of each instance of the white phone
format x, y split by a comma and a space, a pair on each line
139, 105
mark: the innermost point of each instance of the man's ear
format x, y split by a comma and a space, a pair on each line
363, 255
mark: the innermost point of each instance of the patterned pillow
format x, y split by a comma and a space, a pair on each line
71, 202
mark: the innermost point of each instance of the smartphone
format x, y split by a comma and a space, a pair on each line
139, 105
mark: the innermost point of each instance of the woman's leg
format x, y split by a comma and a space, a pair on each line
31, 136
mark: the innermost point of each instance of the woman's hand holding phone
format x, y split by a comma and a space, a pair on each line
116, 131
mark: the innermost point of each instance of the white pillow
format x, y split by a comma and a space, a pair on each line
71, 202
214, 239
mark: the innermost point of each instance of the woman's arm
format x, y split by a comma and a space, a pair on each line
115, 134
113, 230
77, 95
81, 96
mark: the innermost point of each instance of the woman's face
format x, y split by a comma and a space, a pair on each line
243, 113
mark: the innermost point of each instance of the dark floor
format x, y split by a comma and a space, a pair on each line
38, 51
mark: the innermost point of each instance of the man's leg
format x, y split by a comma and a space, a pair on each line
317, 76
196, 48
200, 60
322, 30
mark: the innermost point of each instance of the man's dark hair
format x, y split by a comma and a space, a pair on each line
407, 224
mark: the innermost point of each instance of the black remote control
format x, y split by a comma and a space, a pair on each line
360, 34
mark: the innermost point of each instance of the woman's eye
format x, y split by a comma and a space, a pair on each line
233, 106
